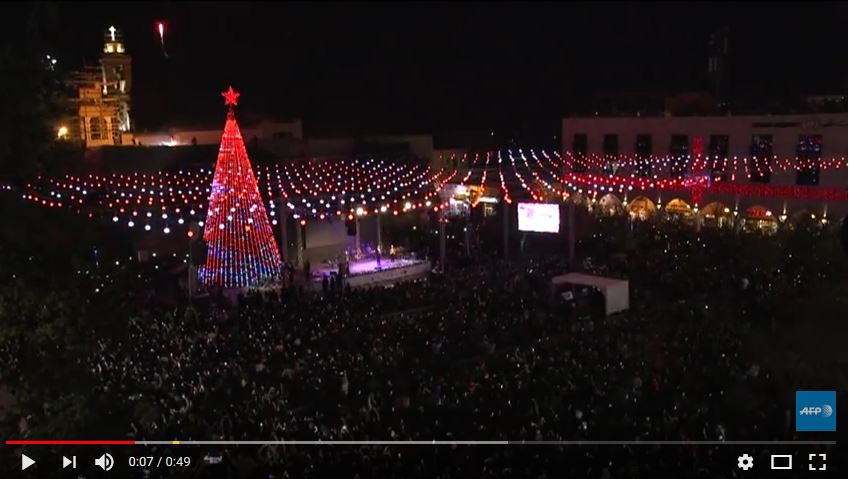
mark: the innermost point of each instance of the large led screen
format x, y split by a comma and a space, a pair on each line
539, 217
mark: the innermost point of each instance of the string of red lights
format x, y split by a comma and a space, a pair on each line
692, 163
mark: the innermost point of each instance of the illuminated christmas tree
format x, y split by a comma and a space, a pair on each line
241, 250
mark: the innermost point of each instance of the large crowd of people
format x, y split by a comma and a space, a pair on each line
484, 351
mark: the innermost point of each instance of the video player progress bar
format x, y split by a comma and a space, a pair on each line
423, 443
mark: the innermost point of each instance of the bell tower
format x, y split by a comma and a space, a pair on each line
117, 75
103, 99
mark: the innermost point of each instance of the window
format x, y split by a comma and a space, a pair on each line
718, 154
96, 128
679, 153
579, 152
761, 154
611, 152
610, 144
809, 153
643, 149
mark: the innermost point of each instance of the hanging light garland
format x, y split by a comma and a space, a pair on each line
547, 175
317, 189
321, 189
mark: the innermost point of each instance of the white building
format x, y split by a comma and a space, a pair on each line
262, 131
797, 161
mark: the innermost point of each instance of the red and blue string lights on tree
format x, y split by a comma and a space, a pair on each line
241, 249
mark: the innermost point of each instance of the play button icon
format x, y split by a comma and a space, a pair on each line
26, 461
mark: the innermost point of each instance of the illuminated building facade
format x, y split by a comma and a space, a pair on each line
103, 96
767, 168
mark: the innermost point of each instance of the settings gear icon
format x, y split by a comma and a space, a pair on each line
745, 462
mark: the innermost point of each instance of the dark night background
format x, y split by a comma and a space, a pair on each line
436, 67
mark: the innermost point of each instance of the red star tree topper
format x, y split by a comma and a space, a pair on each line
241, 249
231, 96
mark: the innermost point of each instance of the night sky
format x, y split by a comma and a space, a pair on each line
436, 67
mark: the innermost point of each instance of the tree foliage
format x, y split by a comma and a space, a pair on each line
33, 99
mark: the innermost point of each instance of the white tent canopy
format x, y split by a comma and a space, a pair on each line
616, 291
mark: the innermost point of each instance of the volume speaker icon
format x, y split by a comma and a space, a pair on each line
105, 462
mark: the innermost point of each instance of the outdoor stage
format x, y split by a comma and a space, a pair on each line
366, 272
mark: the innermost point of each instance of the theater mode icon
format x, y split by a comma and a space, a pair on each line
816, 411
781, 462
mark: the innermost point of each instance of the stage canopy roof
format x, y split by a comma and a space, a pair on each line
616, 291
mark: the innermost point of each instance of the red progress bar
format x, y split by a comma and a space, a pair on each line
70, 443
